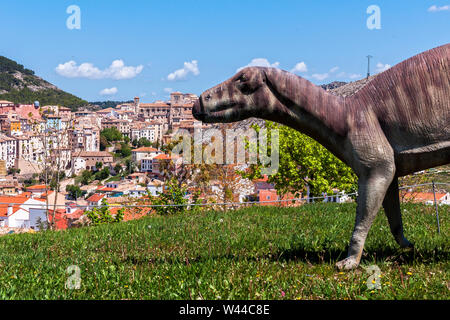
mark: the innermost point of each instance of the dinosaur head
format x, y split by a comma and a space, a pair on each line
236, 99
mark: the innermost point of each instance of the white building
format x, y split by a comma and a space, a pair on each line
155, 187
79, 164
144, 153
8, 150
22, 212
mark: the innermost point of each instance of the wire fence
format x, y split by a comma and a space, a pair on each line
120, 205
47, 206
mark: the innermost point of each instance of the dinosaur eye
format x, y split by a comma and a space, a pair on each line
243, 78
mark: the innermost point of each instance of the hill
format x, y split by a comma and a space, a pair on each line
99, 105
21, 85
252, 253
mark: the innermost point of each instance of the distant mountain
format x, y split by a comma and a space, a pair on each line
351, 88
107, 104
333, 85
21, 85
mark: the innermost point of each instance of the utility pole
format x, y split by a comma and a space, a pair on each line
368, 65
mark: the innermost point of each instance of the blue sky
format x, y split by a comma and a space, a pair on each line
207, 41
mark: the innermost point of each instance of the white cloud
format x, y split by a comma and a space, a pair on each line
355, 76
117, 70
189, 67
320, 76
260, 62
435, 8
346, 75
300, 67
334, 69
381, 67
109, 91
168, 90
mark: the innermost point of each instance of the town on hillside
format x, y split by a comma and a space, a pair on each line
56, 165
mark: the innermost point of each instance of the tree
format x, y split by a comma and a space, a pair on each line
112, 134
130, 166
304, 162
174, 194
13, 171
74, 191
86, 177
102, 215
102, 174
125, 150
99, 165
144, 142
103, 143
118, 168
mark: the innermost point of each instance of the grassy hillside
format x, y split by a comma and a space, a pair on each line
254, 253
21, 85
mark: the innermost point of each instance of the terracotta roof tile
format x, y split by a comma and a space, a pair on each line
95, 197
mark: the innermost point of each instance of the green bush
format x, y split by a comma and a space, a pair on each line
102, 215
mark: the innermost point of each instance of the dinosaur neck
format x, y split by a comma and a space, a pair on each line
307, 108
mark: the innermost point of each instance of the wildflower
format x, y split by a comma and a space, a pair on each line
372, 291
409, 273
125, 286
283, 293
373, 281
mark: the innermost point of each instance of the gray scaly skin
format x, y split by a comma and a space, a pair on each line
397, 124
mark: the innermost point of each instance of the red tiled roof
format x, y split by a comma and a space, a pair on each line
95, 197
145, 149
5, 201
27, 110
106, 189
132, 213
162, 157
36, 187
423, 196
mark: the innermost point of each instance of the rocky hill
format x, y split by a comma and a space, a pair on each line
333, 85
21, 85
351, 88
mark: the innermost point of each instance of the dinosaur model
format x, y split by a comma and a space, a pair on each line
397, 124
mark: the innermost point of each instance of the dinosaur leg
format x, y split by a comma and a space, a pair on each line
391, 205
371, 192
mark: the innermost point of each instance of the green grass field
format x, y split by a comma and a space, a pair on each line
253, 253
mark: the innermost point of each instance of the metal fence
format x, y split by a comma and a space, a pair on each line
304, 200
